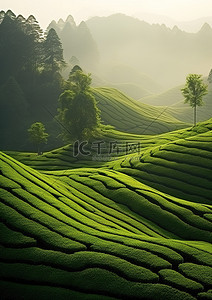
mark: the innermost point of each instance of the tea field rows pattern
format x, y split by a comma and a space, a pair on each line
136, 227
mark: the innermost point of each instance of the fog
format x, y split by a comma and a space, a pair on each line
46, 11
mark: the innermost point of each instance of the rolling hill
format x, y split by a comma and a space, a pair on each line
99, 234
174, 100
133, 224
180, 168
128, 115
124, 146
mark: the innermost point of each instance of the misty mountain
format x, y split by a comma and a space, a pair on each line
78, 44
125, 75
188, 26
166, 55
195, 25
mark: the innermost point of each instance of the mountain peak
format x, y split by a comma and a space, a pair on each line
60, 23
70, 20
206, 28
175, 29
83, 25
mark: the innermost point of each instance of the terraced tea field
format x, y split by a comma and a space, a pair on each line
180, 168
128, 115
63, 158
136, 227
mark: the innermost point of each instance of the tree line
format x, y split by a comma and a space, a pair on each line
30, 78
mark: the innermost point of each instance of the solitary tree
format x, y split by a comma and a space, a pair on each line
37, 135
77, 108
194, 91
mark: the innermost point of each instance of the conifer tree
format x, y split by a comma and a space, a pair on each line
53, 52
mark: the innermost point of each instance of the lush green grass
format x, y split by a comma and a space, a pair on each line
180, 168
128, 115
134, 225
97, 233
125, 143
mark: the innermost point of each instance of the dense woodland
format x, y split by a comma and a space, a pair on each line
30, 79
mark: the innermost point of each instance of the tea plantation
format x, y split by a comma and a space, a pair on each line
136, 226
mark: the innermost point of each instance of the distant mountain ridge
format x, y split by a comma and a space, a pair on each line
188, 26
104, 44
78, 44
166, 55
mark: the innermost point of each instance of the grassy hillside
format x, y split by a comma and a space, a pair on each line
180, 168
167, 98
134, 225
174, 100
99, 234
123, 144
128, 115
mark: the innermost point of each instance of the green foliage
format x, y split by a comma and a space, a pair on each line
30, 83
194, 91
77, 108
199, 273
11, 238
53, 51
178, 280
78, 82
37, 134
13, 114
131, 116
87, 233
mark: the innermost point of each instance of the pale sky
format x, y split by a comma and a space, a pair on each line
47, 10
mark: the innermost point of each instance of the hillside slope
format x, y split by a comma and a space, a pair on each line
113, 145
99, 234
174, 100
128, 115
180, 168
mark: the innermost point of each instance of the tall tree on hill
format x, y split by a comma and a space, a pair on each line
35, 33
31, 70
77, 108
194, 91
53, 52
38, 135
